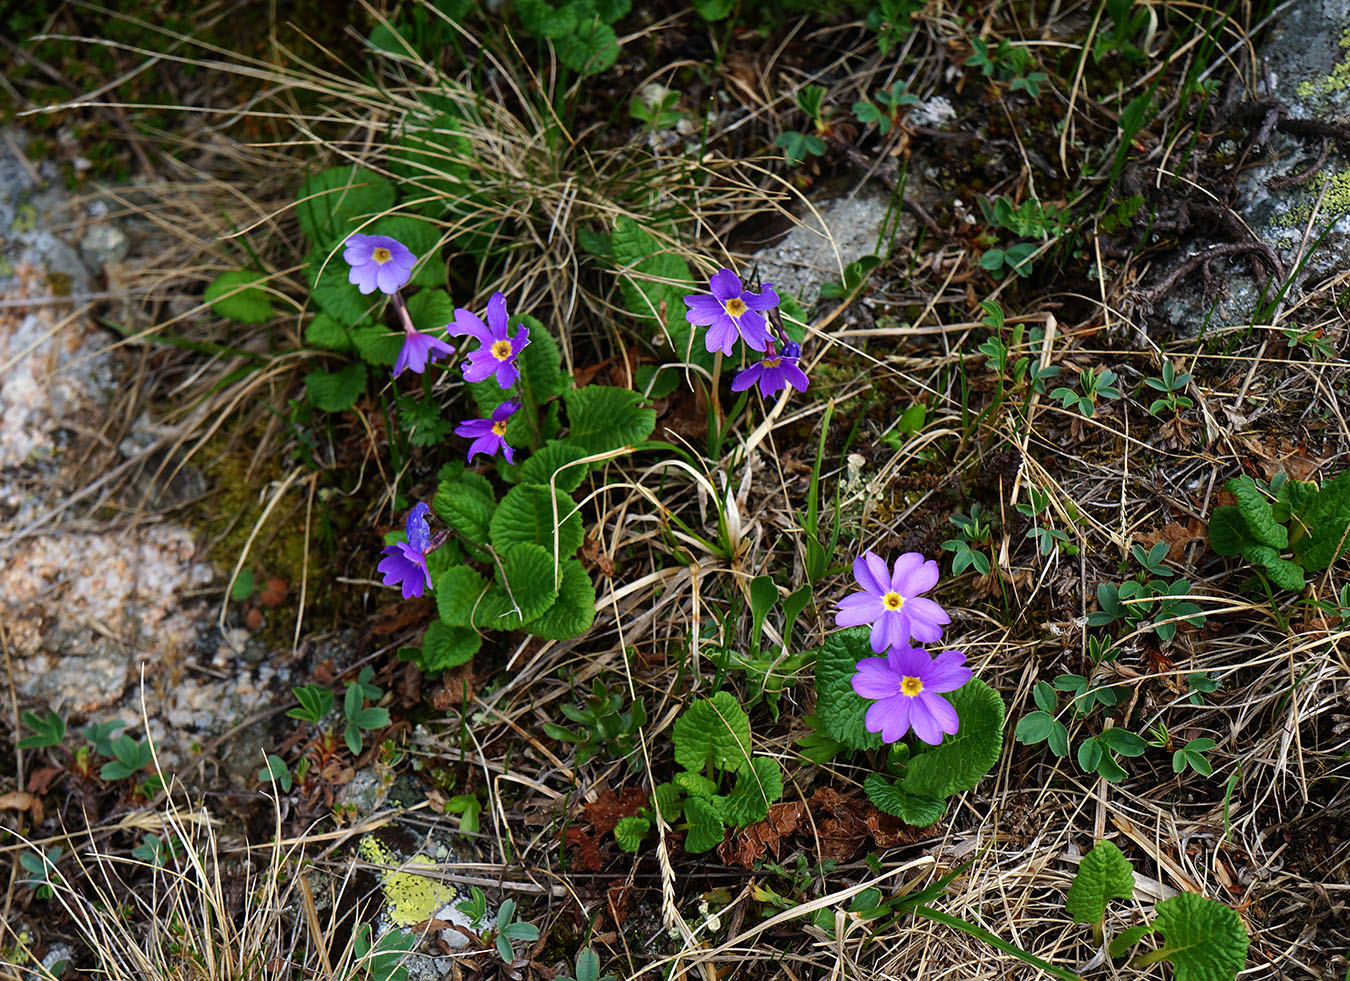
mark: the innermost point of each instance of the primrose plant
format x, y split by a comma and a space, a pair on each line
873, 686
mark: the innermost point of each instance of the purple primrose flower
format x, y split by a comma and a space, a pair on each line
405, 563
497, 352
775, 373
489, 435
730, 312
891, 601
419, 349
378, 262
906, 684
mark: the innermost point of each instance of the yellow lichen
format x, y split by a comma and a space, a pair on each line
1334, 81
409, 898
1335, 204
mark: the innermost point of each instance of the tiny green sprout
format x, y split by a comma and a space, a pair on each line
276, 770
1102, 650
1092, 387
1170, 384
315, 701
100, 736
1201, 685
1158, 736
358, 717
156, 851
244, 585
468, 807
42, 871
798, 146
49, 730
587, 968
1193, 755
384, 959
474, 907
893, 21
1041, 725
509, 930
128, 757
971, 529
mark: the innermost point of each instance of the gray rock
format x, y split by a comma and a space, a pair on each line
103, 243
816, 251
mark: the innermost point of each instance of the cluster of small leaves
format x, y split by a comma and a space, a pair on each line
889, 106
1007, 63
1026, 369
509, 930
1309, 524
768, 672
798, 146
1029, 220
1204, 940
1092, 387
855, 278
1127, 18
43, 875
893, 21
924, 777
1171, 384
1047, 537
713, 746
972, 529
1151, 595
580, 31
359, 717
606, 726
384, 959
126, 756
1096, 754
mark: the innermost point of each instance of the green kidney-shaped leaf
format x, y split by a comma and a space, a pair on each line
325, 332
629, 832
1325, 516
555, 461
601, 418
459, 591
960, 761
431, 310
1103, 874
838, 705
1228, 533
525, 591
464, 500
1205, 940
696, 784
572, 614
590, 49
336, 391
527, 514
757, 786
1256, 511
377, 345
705, 827
1282, 572
334, 294
713, 733
445, 647
331, 204
891, 799
234, 296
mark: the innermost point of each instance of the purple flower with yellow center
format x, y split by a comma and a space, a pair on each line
405, 563
378, 262
732, 311
907, 685
891, 601
497, 351
489, 435
775, 373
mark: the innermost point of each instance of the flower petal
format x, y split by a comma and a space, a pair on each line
942, 712
924, 611
725, 285
889, 716
721, 335
416, 528
925, 724
904, 565
496, 315
473, 428
795, 377
753, 330
948, 673
923, 631
505, 411
703, 309
865, 571
467, 322
909, 662
507, 373
888, 631
856, 609
745, 379
478, 369
766, 300
875, 679
488, 444
364, 277
918, 578
389, 278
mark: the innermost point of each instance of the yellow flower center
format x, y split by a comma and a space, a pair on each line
735, 306
892, 601
772, 362
911, 686
501, 350
499, 428
381, 255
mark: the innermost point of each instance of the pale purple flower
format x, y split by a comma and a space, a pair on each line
732, 311
418, 349
405, 563
906, 684
497, 352
773, 374
891, 601
489, 435
378, 262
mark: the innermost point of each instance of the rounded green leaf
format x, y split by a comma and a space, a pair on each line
572, 614
1205, 940
331, 204
1104, 873
527, 514
526, 589
555, 462
458, 592
713, 732
840, 708
465, 501
705, 827
325, 332
602, 418
234, 296
445, 647
336, 391
959, 762
891, 799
